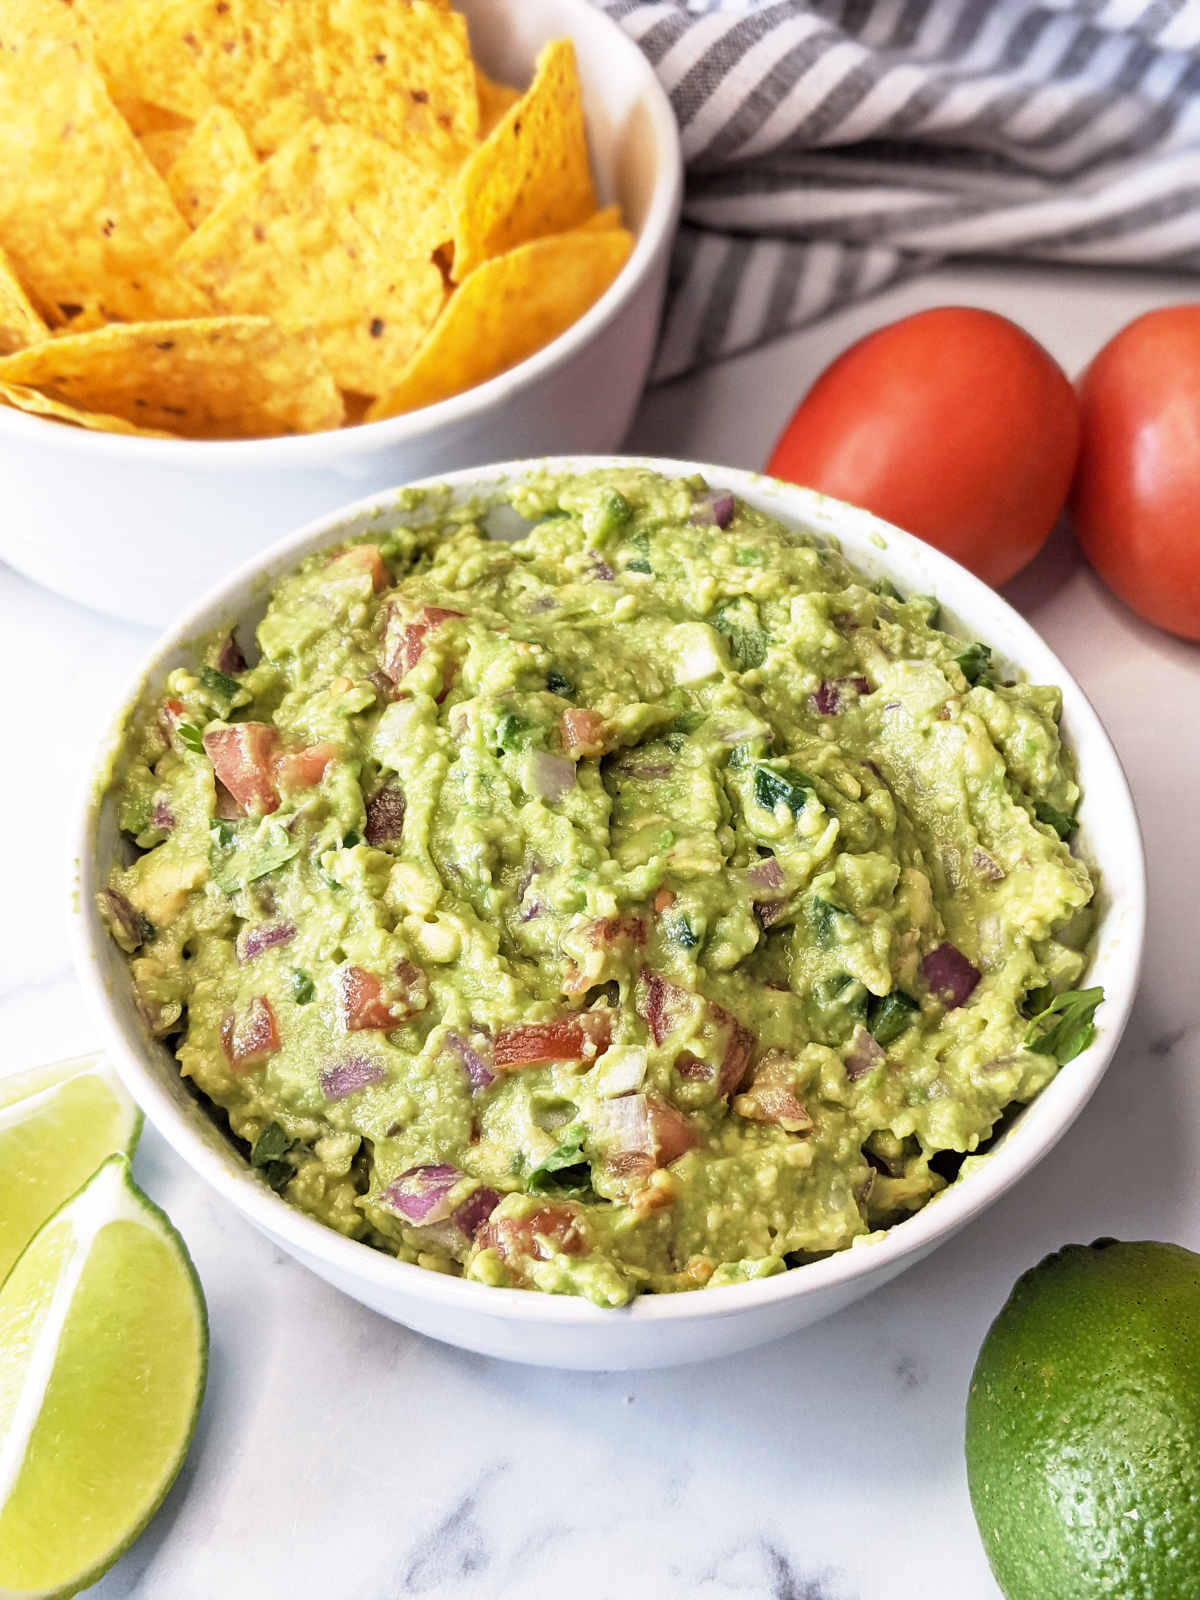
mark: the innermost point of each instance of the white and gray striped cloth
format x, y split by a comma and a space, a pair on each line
836, 146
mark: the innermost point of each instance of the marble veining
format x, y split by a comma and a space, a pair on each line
341, 1457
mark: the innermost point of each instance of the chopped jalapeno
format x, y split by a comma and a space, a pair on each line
785, 785
890, 1015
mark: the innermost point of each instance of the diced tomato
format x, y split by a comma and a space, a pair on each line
242, 758
550, 1230
630, 929
673, 1133
665, 1007
736, 1058
664, 900
367, 1001
363, 558
249, 1039
663, 1004
582, 732
304, 768
361, 1002
406, 643
579, 1038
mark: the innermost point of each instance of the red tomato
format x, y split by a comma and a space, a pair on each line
582, 1037
242, 759
1136, 499
952, 423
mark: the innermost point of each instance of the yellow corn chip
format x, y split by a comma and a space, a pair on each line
603, 221
507, 309
494, 100
19, 322
335, 233
40, 19
216, 159
164, 146
83, 214
211, 378
531, 175
141, 62
399, 68
37, 404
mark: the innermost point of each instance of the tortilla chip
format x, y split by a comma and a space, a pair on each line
494, 100
37, 404
164, 146
507, 309
531, 176
142, 64
211, 378
334, 233
20, 324
603, 221
399, 68
83, 214
217, 158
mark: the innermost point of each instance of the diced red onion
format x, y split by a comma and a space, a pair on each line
986, 865
382, 684
692, 1068
950, 975
419, 1195
479, 1073
624, 1073
864, 1053
385, 816
768, 913
532, 910
717, 507
229, 657
831, 696
552, 776
252, 942
161, 816
227, 807
600, 568
541, 603
120, 916
747, 731
475, 1210
766, 874
349, 1076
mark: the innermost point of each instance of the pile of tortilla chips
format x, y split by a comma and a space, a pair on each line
235, 218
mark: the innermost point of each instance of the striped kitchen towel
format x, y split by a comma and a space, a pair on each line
834, 147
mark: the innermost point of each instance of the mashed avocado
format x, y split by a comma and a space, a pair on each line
645, 904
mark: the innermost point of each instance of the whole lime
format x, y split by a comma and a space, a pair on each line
1083, 1427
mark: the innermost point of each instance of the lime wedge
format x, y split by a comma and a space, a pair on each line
103, 1351
57, 1124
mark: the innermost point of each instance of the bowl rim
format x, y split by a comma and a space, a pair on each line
349, 1259
348, 441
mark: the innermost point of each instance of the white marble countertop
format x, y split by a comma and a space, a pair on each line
341, 1456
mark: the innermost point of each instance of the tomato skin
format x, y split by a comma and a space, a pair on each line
1136, 498
954, 424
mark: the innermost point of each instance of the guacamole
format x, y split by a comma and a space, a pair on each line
648, 903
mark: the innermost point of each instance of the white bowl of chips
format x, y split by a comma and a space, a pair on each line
323, 305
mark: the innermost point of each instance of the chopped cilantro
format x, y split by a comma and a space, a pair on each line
747, 643
890, 1015
513, 732
565, 1170
747, 557
1063, 825
558, 683
303, 988
191, 738
349, 840
821, 917
219, 684
638, 564
888, 589
975, 664
1063, 1027
267, 1156
680, 931
786, 785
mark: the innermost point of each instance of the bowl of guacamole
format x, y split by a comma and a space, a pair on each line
540, 895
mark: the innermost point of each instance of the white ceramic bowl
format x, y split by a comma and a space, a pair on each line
653, 1331
141, 527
